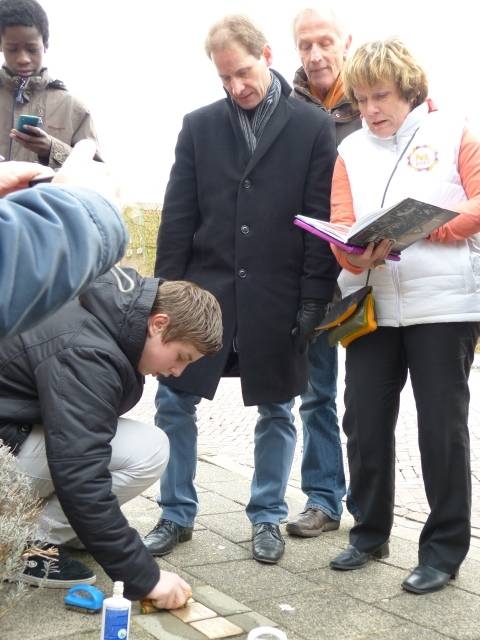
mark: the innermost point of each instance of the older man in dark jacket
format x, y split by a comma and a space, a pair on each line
64, 386
322, 41
244, 166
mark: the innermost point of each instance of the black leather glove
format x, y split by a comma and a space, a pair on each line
308, 317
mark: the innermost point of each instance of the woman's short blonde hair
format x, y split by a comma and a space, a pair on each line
385, 60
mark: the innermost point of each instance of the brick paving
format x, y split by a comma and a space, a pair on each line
226, 430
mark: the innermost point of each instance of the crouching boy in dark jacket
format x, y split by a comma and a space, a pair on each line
64, 386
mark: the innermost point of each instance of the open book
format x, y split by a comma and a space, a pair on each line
405, 223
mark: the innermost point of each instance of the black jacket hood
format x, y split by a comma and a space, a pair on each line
126, 314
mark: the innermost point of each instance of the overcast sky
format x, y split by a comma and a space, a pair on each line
140, 66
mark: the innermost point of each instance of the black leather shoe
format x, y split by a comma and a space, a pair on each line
425, 579
352, 558
164, 537
268, 544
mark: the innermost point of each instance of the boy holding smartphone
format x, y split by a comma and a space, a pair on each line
27, 89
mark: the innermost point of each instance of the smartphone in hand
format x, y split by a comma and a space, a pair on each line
34, 121
41, 179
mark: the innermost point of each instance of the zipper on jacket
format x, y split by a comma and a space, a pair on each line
395, 144
396, 286
10, 140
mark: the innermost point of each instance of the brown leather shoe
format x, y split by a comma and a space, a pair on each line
310, 523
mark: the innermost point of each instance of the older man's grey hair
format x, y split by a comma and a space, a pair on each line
325, 12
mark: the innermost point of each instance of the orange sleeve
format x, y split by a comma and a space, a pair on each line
341, 211
468, 221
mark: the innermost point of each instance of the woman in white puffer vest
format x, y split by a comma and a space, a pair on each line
428, 308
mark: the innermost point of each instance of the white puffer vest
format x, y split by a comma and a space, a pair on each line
433, 282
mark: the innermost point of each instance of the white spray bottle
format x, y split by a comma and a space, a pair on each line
116, 615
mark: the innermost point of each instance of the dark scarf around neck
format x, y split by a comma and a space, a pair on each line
253, 126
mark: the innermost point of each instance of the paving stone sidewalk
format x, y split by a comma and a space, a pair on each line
300, 595
225, 429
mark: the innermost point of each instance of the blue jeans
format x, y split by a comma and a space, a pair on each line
323, 479
275, 439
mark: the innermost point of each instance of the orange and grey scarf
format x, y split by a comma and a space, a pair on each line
334, 94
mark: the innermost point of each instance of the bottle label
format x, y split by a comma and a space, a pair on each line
116, 624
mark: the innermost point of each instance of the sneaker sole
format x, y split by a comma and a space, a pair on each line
294, 530
50, 583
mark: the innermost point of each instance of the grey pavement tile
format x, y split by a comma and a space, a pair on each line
137, 632
235, 526
248, 580
474, 551
93, 635
374, 582
468, 578
237, 489
218, 601
250, 620
238, 468
295, 501
43, 616
142, 514
405, 631
304, 554
414, 514
403, 553
406, 529
214, 503
323, 615
152, 491
451, 611
205, 547
192, 580
208, 473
